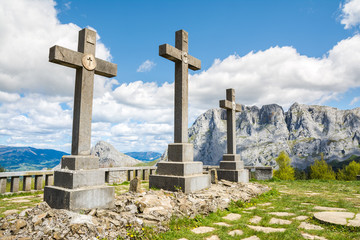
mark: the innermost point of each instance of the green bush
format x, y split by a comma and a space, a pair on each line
321, 170
300, 174
349, 172
2, 169
285, 172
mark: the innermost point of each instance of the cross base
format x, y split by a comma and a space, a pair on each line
80, 198
232, 169
185, 175
79, 185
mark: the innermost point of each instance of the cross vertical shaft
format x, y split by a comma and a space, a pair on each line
181, 91
83, 98
231, 140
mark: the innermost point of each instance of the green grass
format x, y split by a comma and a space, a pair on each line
285, 196
147, 164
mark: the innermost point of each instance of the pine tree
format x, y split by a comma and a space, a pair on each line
285, 172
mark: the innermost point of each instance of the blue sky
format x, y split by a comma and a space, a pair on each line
268, 51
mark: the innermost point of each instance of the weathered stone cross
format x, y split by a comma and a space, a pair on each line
86, 66
183, 61
231, 108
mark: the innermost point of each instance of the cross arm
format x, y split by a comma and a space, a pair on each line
169, 52
66, 57
229, 105
104, 68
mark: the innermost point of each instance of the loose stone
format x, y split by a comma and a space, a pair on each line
255, 219
222, 224
266, 229
309, 236
201, 230
235, 232
309, 226
9, 212
232, 217
279, 221
282, 214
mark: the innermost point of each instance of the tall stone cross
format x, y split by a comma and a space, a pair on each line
86, 66
183, 61
231, 108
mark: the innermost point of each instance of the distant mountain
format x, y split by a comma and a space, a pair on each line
28, 158
110, 157
304, 132
144, 156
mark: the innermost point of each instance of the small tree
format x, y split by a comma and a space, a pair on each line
2, 169
349, 172
285, 172
321, 170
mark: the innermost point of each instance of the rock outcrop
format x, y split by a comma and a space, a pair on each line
304, 131
110, 157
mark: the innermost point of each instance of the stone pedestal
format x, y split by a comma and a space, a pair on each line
80, 184
232, 169
180, 172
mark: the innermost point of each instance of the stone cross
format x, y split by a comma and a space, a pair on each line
231, 108
86, 66
183, 61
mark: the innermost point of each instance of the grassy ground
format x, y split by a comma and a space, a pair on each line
286, 196
297, 197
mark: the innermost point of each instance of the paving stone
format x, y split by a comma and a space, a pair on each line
213, 237
309, 236
307, 204
355, 222
201, 230
246, 212
339, 218
255, 219
301, 218
252, 238
232, 217
328, 208
9, 212
282, 214
183, 239
222, 224
264, 204
21, 201
235, 232
309, 226
266, 229
280, 221
251, 208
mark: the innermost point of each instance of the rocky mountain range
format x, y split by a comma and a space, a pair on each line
110, 157
144, 156
304, 131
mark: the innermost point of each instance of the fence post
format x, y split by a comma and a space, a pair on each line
38, 182
14, 187
26, 183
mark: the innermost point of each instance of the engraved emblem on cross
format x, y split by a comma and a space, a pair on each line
184, 57
89, 62
234, 106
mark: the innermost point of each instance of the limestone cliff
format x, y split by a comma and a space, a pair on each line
110, 157
303, 131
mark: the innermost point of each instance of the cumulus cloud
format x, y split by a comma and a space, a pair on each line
146, 66
350, 13
355, 100
36, 97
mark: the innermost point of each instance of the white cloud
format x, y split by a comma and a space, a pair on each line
146, 66
138, 116
355, 100
350, 13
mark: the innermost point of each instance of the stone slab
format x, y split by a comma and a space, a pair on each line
234, 175
252, 238
266, 229
187, 184
180, 152
328, 208
236, 232
232, 217
79, 162
80, 198
279, 221
232, 165
309, 236
231, 157
282, 214
179, 168
338, 218
309, 226
255, 219
200, 230
77, 179
222, 224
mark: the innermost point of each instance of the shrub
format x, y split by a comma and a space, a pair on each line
300, 174
321, 170
285, 172
349, 172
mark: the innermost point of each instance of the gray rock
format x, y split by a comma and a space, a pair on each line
110, 157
